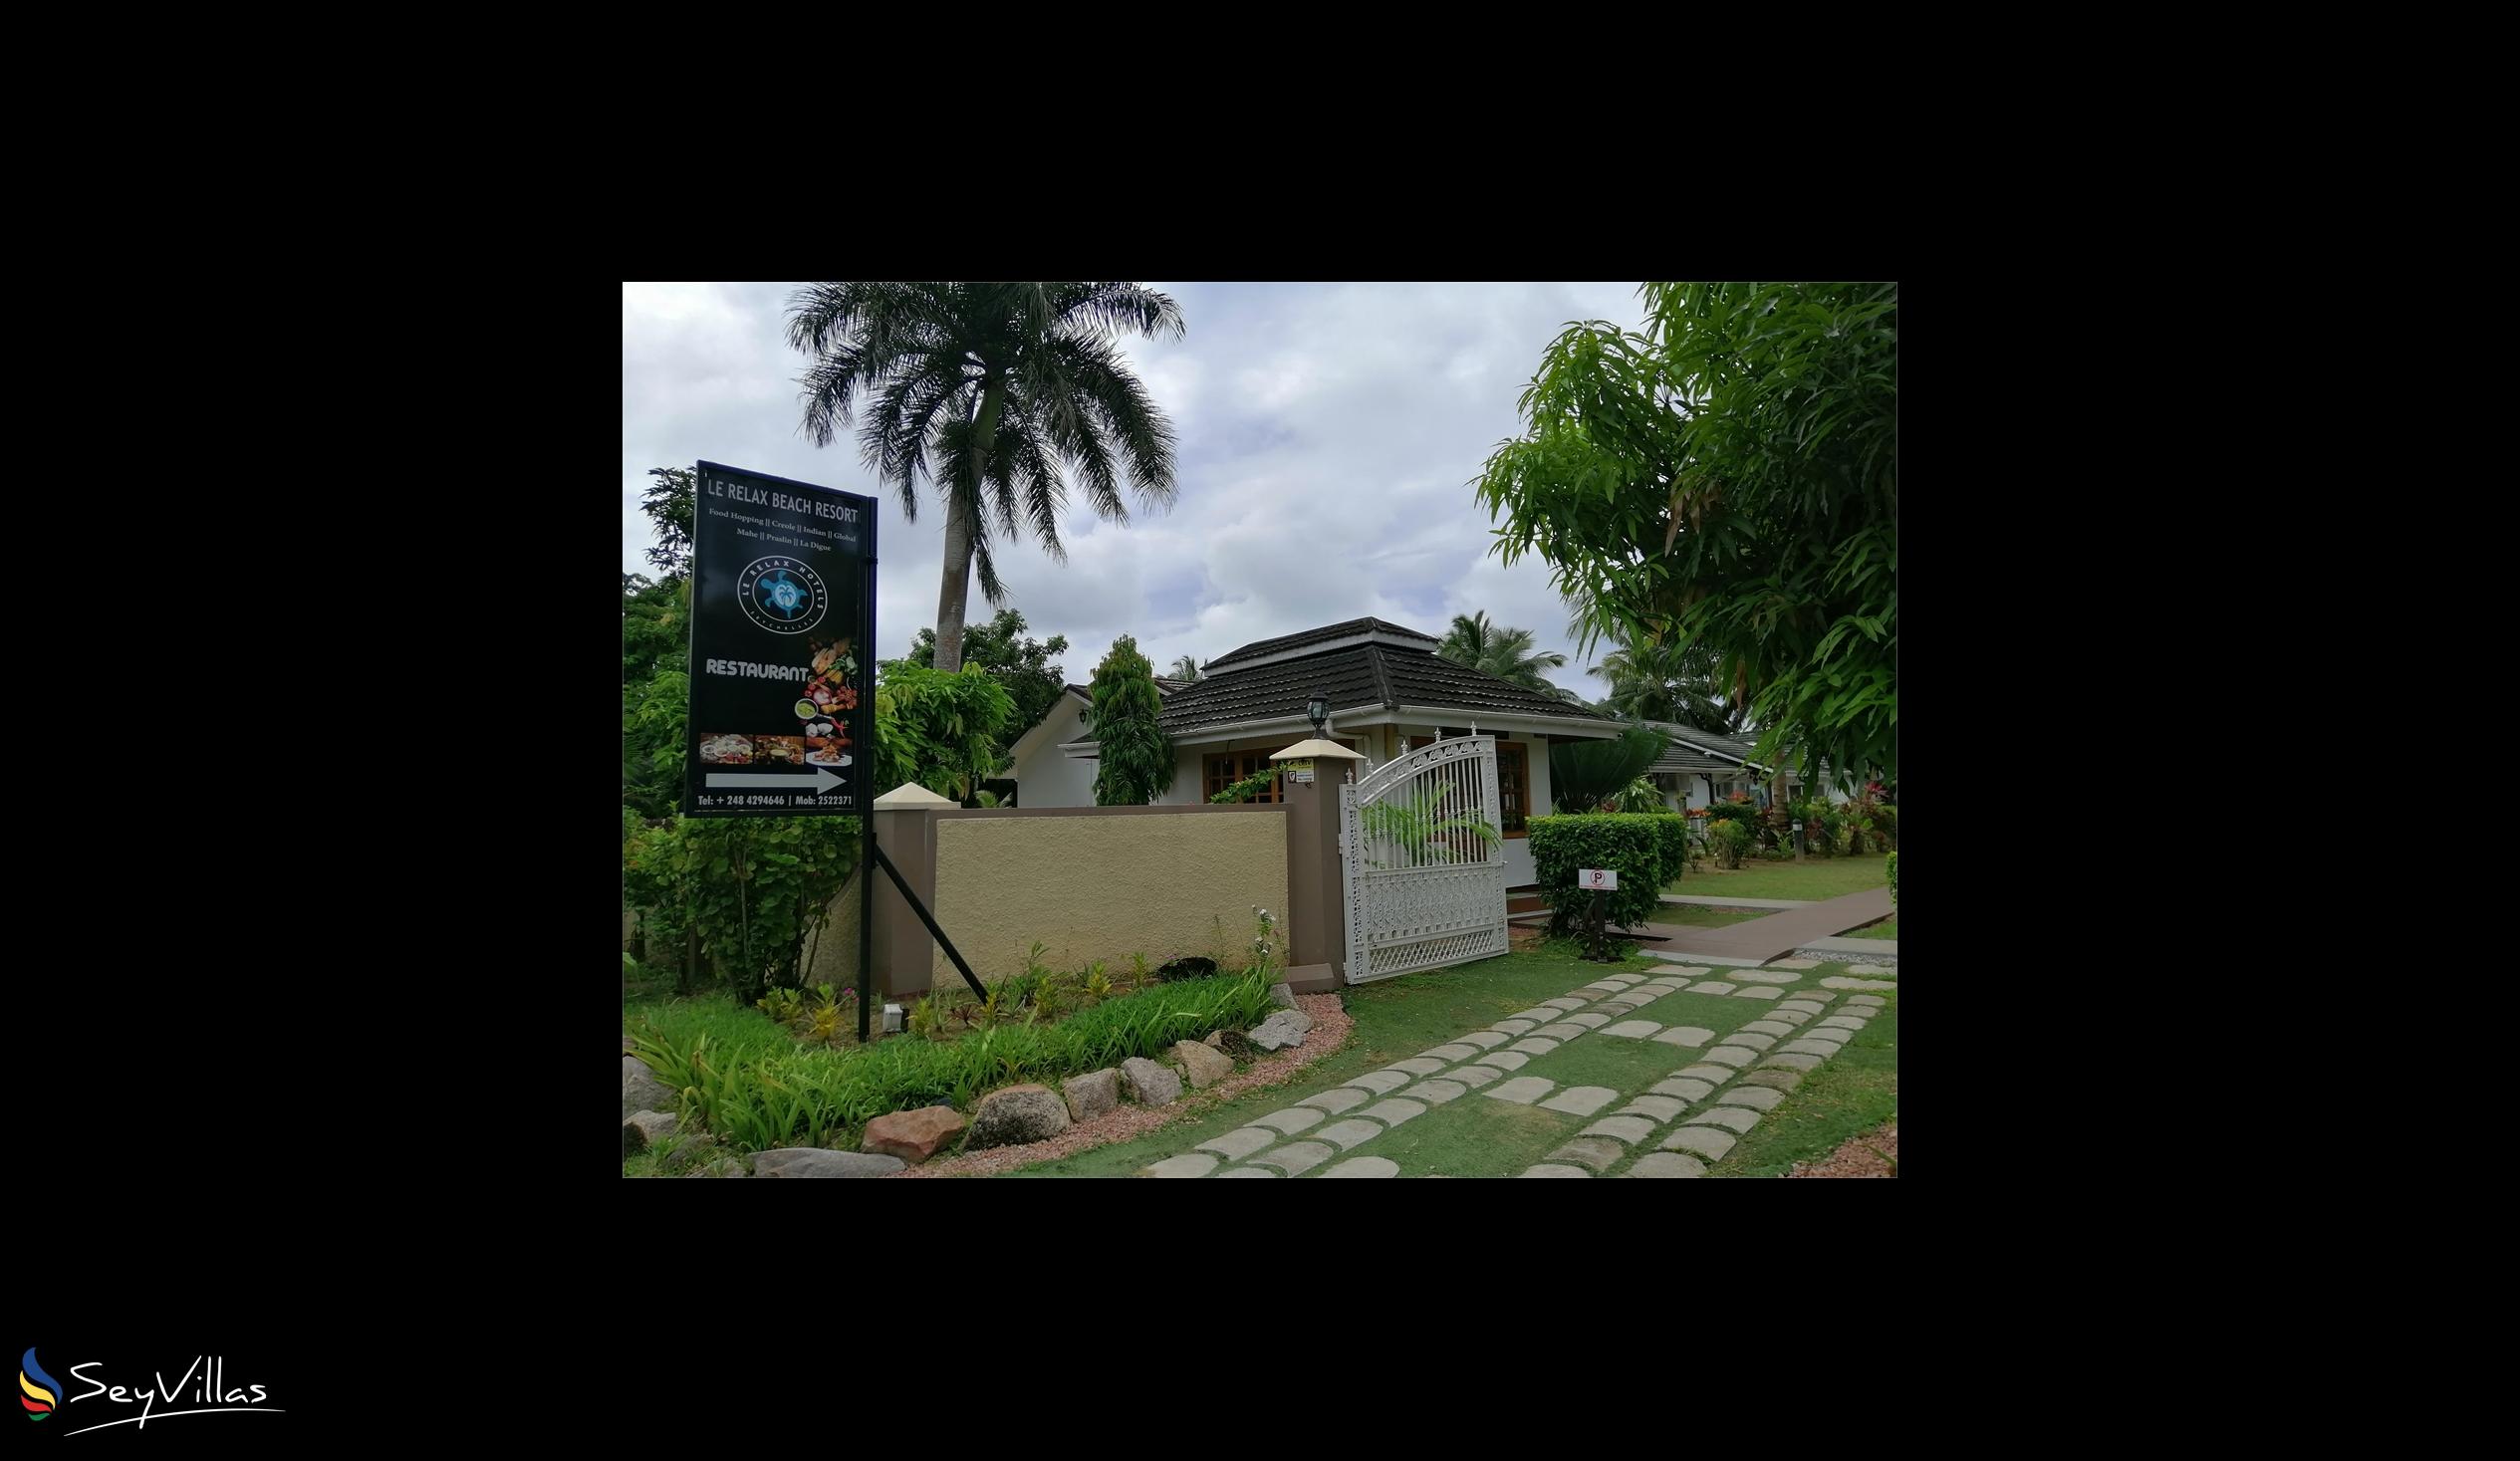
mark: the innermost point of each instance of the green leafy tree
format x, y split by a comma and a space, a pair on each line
1135, 756
1582, 775
670, 503
987, 389
937, 729
1021, 664
1728, 479
1668, 682
1185, 669
1483, 644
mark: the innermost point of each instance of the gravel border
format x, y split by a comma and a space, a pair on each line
1867, 1156
1331, 1027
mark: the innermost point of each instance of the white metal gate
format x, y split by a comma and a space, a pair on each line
1418, 841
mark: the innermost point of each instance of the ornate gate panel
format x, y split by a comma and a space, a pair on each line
1418, 842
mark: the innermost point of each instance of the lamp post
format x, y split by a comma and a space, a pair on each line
1317, 710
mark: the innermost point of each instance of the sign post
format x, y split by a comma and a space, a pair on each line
1599, 880
781, 713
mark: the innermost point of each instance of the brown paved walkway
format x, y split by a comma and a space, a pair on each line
1778, 934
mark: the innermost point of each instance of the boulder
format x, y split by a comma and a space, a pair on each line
912, 1136
643, 1129
814, 1162
1283, 996
1149, 1083
1205, 1066
1280, 1029
1215, 1039
1018, 1114
1092, 1095
643, 1092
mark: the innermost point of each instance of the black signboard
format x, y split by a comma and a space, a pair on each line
782, 648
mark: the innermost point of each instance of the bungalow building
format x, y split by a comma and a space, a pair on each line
1700, 767
1388, 693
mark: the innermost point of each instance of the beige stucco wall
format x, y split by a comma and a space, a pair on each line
1098, 886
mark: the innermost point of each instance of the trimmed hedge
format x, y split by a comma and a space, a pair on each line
1893, 872
1648, 848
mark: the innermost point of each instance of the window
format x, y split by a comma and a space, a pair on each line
1511, 781
1224, 768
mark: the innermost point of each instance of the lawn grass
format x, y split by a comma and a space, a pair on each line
1475, 1136
1813, 878
1887, 928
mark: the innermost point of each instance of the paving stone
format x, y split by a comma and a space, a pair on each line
1450, 1053
1796, 964
1483, 1038
1843, 1022
1632, 1029
1756, 1098
1290, 1121
1593, 1153
1690, 1036
1706, 1141
1616, 1007
1434, 1092
1793, 1061
1297, 1158
1587, 1020
1840, 981
1381, 1083
1511, 1028
1755, 1042
1393, 1111
1756, 991
1504, 1060
1821, 1048
1630, 1130
1619, 981
1363, 1166
1730, 1117
1581, 1100
1773, 1080
1475, 1077
1188, 1164
1346, 1098
1682, 1089
1419, 1064
1866, 1002
1801, 1007
1716, 1073
1559, 1032
1658, 1107
1872, 971
1772, 974
1247, 1173
1554, 1170
1238, 1143
1522, 1089
1667, 1164
1534, 1045
1562, 1003
1688, 972
1766, 1027
1711, 986
1731, 1054
1348, 1133
1592, 992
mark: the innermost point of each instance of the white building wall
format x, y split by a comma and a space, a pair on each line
1047, 776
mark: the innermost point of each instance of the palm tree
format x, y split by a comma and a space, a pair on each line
1000, 384
1480, 642
1184, 668
1668, 682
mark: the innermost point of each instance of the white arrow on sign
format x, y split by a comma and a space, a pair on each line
818, 781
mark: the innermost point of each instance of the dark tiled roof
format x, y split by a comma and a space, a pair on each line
1681, 759
1360, 674
1322, 636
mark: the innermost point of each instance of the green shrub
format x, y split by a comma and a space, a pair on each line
1648, 850
1744, 813
1730, 837
1885, 823
1893, 875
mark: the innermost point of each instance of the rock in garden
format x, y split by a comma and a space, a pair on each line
1092, 1095
814, 1162
1022, 1114
643, 1129
1283, 996
912, 1136
643, 1092
1215, 1039
1280, 1029
1205, 1066
1149, 1083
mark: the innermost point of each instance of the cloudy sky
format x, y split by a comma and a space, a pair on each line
1299, 406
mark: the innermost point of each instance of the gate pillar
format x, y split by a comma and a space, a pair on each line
1315, 912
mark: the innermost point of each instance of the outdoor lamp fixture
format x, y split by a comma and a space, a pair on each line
1317, 710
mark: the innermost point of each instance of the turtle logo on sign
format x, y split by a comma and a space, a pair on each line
782, 595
